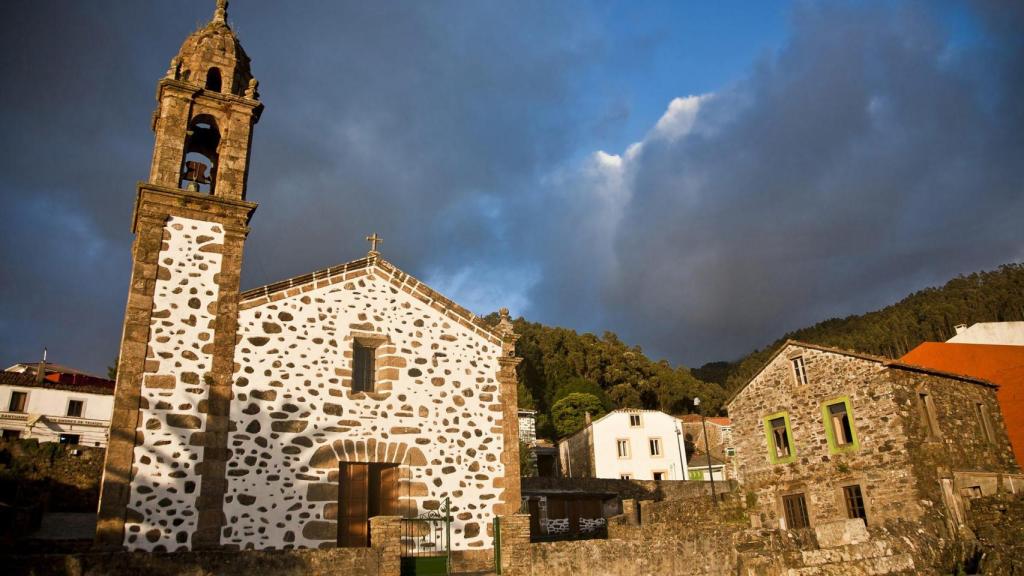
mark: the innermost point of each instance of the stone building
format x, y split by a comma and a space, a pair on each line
825, 435
286, 415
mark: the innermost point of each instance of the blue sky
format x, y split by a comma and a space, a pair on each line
699, 177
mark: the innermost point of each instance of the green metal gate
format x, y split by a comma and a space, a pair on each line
426, 543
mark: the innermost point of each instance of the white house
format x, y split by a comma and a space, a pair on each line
628, 444
1005, 333
54, 411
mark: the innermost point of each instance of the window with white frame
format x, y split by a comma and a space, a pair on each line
799, 370
634, 420
655, 444
75, 408
623, 448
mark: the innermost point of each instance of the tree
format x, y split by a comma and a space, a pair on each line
569, 413
527, 465
112, 370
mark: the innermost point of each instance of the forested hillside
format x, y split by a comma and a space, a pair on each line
928, 315
558, 362
564, 373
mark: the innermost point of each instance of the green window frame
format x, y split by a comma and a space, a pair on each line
769, 435
834, 447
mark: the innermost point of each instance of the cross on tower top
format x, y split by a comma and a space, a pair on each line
374, 239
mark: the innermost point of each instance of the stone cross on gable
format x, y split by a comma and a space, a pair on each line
374, 239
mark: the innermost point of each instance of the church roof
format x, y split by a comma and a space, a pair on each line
380, 268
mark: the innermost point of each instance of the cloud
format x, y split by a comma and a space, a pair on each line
873, 154
859, 163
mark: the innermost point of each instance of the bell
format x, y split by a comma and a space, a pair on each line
195, 171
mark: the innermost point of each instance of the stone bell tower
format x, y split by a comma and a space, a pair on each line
163, 479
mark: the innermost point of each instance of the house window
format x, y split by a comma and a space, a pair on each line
655, 444
362, 367
12, 434
634, 420
838, 416
75, 407
780, 438
795, 508
855, 502
659, 475
799, 371
625, 476
623, 448
18, 401
68, 439
730, 452
985, 422
926, 409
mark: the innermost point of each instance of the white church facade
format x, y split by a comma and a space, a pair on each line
288, 415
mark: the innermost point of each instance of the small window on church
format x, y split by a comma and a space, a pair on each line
199, 172
213, 81
362, 367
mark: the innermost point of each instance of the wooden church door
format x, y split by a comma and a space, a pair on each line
365, 490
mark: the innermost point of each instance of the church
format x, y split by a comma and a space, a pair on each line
287, 415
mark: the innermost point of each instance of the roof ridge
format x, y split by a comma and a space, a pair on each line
386, 271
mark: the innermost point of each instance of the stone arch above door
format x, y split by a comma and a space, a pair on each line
327, 456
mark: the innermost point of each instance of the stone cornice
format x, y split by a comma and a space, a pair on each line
156, 201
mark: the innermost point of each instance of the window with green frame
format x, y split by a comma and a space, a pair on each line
839, 428
779, 433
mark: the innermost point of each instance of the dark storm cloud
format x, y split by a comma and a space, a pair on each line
871, 157
389, 117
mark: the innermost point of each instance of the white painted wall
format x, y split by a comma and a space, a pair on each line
640, 465
52, 404
1005, 333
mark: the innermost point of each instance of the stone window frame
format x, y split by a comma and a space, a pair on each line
985, 421
384, 373
660, 444
67, 407
830, 432
808, 507
928, 415
629, 448
840, 494
773, 456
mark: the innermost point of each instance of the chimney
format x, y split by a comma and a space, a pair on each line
586, 417
41, 369
960, 328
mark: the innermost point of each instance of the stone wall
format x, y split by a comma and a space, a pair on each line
436, 411
998, 524
627, 489
51, 476
338, 561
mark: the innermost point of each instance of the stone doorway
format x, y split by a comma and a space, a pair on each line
365, 490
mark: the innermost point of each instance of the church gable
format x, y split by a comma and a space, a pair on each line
424, 396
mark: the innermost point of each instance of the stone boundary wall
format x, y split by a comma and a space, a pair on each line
998, 524
629, 489
50, 475
336, 561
